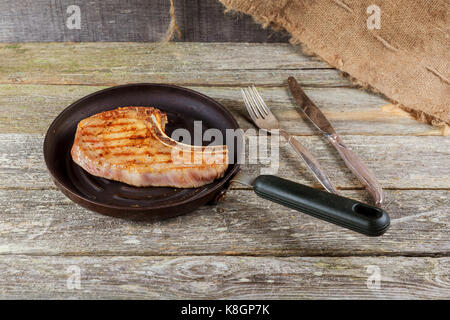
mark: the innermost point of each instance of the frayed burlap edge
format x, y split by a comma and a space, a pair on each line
267, 22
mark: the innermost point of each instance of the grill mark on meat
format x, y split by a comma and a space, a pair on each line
204, 149
137, 163
149, 167
154, 153
109, 123
145, 153
129, 145
109, 131
113, 114
132, 137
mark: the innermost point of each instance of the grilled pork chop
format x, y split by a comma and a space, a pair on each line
129, 145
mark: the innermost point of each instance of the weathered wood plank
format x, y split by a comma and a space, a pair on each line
397, 161
135, 20
181, 63
31, 109
155, 56
223, 278
45, 222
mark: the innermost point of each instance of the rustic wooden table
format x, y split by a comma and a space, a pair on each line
244, 247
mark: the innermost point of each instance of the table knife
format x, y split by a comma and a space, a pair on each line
344, 212
313, 113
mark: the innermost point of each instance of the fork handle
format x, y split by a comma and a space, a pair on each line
310, 161
359, 169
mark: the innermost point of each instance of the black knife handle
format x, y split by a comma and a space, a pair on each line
344, 212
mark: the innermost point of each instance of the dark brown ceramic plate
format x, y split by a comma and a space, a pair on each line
182, 107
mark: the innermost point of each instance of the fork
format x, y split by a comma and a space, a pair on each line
265, 120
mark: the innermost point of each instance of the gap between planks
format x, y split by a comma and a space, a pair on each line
182, 84
287, 255
249, 189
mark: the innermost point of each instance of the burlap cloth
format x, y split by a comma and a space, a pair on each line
407, 59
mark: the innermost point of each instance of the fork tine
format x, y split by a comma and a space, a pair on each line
252, 104
261, 101
247, 105
255, 103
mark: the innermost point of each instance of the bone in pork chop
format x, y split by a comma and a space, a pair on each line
129, 145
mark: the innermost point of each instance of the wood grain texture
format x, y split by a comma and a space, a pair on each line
398, 162
224, 278
244, 247
352, 111
179, 63
45, 222
132, 20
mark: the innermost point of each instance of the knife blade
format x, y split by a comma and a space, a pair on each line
330, 207
359, 169
309, 108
